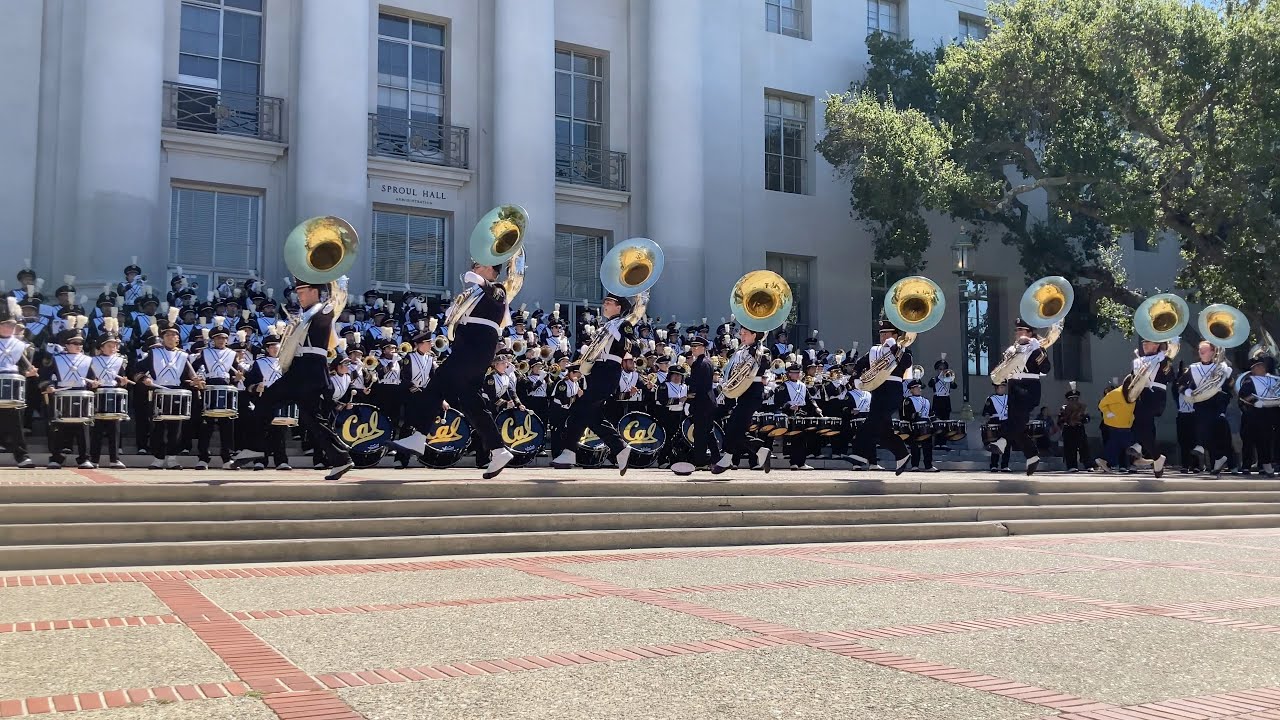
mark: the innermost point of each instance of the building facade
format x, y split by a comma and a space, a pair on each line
197, 133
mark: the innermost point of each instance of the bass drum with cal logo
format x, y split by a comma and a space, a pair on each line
366, 431
523, 433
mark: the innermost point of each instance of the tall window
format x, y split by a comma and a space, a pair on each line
213, 234
797, 271
578, 257
1142, 240
883, 16
972, 28
579, 116
785, 17
409, 249
882, 278
1071, 358
981, 327
785, 148
411, 87
220, 66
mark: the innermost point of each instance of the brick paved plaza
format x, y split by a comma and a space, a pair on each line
1180, 626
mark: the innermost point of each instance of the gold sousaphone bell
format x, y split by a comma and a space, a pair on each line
914, 304
499, 235
1161, 318
761, 300
632, 267
1223, 325
321, 249
1046, 301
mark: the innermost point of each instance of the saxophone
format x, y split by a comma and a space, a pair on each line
879, 371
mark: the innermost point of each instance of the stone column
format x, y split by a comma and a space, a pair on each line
523, 160
674, 153
329, 149
118, 197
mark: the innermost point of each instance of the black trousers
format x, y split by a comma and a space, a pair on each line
1187, 440
1024, 399
878, 429
588, 410
304, 384
458, 381
705, 448
919, 449
11, 433
166, 438
107, 431
140, 404
1075, 447
736, 438
1001, 460
62, 434
1150, 405
226, 436
1258, 429
1208, 434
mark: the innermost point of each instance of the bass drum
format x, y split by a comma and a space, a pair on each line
645, 436
366, 431
447, 441
523, 433
592, 451
686, 435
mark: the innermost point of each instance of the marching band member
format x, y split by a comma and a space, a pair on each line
304, 384
1117, 415
168, 366
1024, 396
133, 286
534, 388
70, 370
458, 381
885, 400
265, 373
414, 377
793, 399
1074, 418
1153, 358
216, 365
340, 396
108, 368
564, 394
1186, 427
630, 390
500, 392
670, 399
1258, 423
13, 361
737, 440
916, 408
1209, 447
996, 410
588, 411
702, 409
942, 394
388, 393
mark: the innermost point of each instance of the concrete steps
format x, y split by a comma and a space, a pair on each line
67, 526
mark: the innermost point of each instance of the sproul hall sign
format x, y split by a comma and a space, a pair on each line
394, 192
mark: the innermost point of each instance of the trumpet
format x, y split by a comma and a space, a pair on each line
440, 343
371, 361
405, 348
522, 367
518, 347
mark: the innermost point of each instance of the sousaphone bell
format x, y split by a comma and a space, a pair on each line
499, 235
631, 267
321, 249
761, 300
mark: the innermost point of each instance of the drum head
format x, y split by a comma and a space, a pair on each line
447, 440
364, 430
523, 433
642, 433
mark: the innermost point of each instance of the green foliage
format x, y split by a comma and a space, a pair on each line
1115, 114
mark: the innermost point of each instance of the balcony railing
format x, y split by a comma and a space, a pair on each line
418, 140
591, 166
223, 112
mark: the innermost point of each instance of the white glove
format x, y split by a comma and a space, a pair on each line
1030, 347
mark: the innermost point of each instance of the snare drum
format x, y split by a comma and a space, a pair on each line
830, 426
113, 404
902, 429
170, 404
856, 424
220, 401
13, 391
991, 432
591, 451
1037, 429
921, 430
74, 407
686, 434
950, 429
285, 416
802, 424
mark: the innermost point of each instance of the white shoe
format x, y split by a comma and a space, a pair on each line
497, 461
875, 466
229, 465
725, 461
171, 463
565, 460
856, 459
1199, 452
415, 443
156, 464
998, 447
806, 466
259, 466
116, 465
1033, 462
248, 455
762, 459
53, 466
202, 465
1157, 467
684, 469
621, 459
1102, 465
284, 466
901, 465
86, 465
28, 463
338, 472
1219, 464
1136, 449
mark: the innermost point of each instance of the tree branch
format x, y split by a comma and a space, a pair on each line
1195, 109
1047, 183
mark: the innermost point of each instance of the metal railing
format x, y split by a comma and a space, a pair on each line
223, 112
418, 140
591, 166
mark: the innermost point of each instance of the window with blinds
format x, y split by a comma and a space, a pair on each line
578, 258
214, 232
798, 272
409, 249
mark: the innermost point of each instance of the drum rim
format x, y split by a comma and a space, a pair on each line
542, 436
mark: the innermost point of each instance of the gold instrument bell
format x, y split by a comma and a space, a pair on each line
1046, 301
499, 235
1161, 318
321, 249
914, 304
1223, 325
631, 267
761, 300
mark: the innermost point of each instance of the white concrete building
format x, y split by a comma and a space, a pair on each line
197, 133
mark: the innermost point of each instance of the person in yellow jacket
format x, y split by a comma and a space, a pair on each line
1117, 415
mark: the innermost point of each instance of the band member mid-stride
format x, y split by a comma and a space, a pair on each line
916, 408
737, 440
1152, 361
885, 401
1209, 447
1073, 416
13, 361
1024, 396
70, 370
458, 382
1258, 419
996, 410
602, 384
305, 383
263, 374
702, 411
